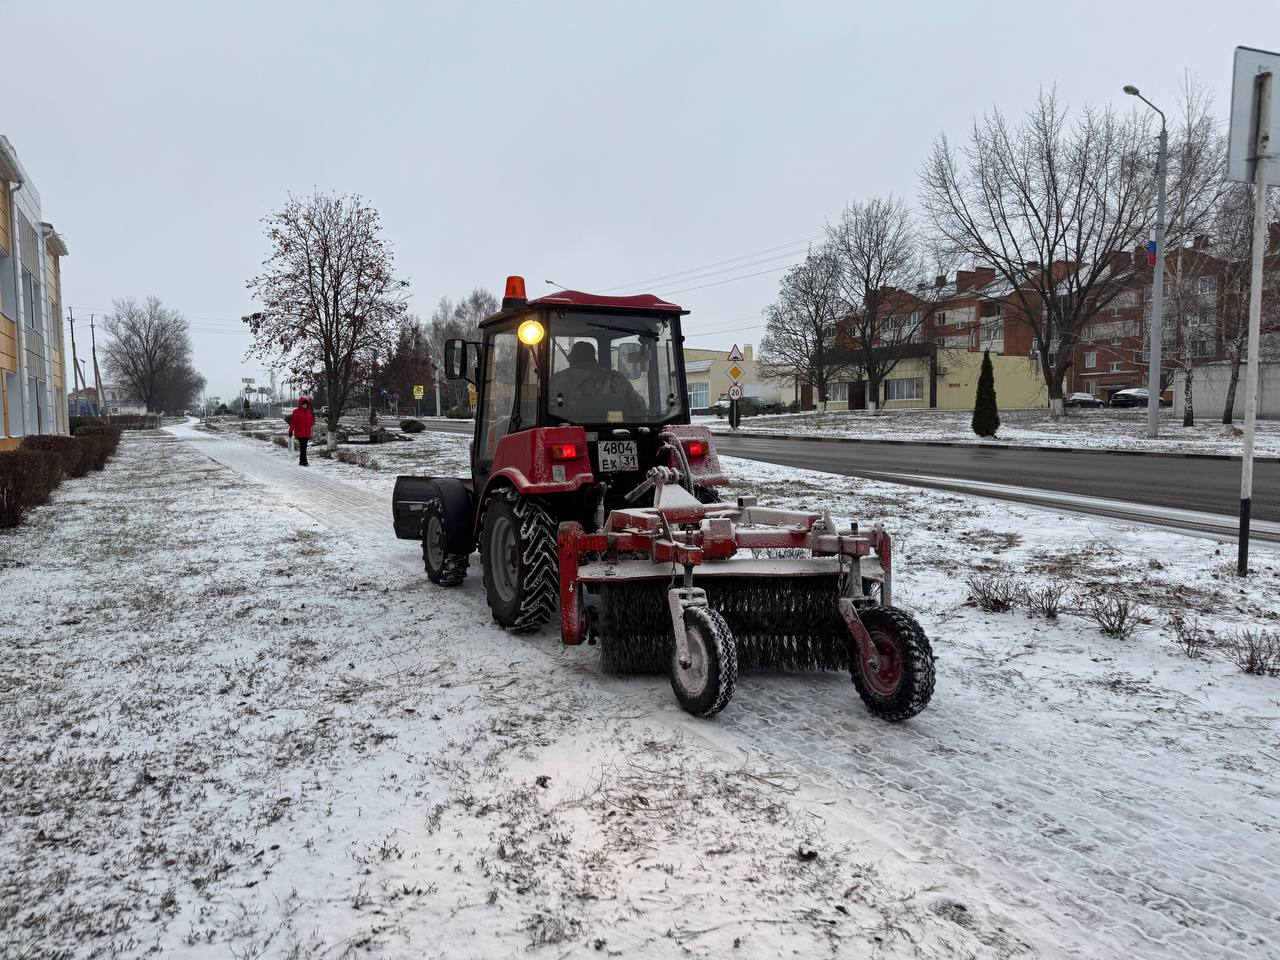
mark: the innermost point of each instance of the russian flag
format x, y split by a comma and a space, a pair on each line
1151, 253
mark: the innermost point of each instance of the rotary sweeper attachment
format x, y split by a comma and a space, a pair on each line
703, 590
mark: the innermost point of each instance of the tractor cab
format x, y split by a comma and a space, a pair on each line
575, 388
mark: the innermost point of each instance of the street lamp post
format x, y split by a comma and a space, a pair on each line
1156, 330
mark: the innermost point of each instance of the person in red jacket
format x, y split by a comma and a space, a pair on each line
301, 422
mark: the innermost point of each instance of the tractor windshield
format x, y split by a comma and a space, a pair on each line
607, 368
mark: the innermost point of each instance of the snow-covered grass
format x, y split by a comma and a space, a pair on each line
237, 721
1100, 429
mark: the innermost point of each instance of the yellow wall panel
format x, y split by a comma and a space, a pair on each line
6, 241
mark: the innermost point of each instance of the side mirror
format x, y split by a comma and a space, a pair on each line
455, 358
633, 360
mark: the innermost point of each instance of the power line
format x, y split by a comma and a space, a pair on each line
679, 274
745, 276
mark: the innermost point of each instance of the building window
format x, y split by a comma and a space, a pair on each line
1206, 285
994, 310
699, 396
32, 301
940, 318
1091, 386
13, 400
838, 392
8, 290
1116, 366
1090, 360
908, 388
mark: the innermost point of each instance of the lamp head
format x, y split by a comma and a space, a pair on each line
1130, 89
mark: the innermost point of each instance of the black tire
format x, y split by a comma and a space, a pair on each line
706, 494
706, 686
519, 533
446, 569
903, 685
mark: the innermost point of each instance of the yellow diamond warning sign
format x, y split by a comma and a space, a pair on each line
735, 371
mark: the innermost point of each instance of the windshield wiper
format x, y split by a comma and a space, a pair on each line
608, 326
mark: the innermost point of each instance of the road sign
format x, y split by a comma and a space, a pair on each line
471, 393
735, 392
246, 380
418, 392
735, 372
735, 355
1242, 142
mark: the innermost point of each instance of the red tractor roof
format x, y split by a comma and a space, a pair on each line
576, 298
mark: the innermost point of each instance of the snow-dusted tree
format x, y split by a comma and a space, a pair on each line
148, 351
799, 342
881, 266
1055, 206
331, 303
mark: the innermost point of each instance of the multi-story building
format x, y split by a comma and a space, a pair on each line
32, 378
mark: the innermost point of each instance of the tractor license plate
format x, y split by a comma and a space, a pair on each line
617, 455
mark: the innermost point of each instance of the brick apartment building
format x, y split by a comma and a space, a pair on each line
940, 330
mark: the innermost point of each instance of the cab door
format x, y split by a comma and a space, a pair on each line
508, 395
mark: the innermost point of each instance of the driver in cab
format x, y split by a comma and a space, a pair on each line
585, 390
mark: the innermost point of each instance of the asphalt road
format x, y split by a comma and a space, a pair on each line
1134, 487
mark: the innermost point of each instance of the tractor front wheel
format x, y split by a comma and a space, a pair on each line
518, 554
895, 679
446, 569
704, 685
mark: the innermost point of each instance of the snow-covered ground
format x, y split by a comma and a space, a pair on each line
236, 720
1102, 429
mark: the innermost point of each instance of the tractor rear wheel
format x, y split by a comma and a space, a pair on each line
896, 681
704, 686
446, 569
519, 559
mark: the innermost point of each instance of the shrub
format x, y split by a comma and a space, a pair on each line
411, 426
1189, 636
986, 415
75, 454
996, 594
357, 459
108, 438
27, 477
1254, 651
1046, 600
1115, 614
280, 441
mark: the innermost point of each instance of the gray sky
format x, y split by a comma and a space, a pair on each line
594, 144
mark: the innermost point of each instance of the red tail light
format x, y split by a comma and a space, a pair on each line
695, 448
566, 451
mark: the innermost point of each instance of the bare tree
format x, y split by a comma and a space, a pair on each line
881, 266
1056, 207
148, 350
799, 342
460, 320
331, 301
1232, 244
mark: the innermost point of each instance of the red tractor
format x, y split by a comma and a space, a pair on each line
593, 497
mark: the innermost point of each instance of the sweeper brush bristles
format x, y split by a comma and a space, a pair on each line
779, 623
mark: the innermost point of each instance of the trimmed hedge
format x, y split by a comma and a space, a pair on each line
412, 426
27, 477
77, 454
102, 440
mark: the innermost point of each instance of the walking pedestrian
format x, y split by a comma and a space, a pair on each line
301, 421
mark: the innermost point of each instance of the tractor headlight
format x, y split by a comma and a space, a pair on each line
531, 332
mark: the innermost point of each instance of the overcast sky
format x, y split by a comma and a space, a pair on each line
595, 144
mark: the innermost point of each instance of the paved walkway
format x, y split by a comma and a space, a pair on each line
1098, 819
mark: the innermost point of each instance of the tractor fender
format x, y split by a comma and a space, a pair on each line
455, 500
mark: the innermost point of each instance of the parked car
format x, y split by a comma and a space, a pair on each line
1081, 400
1133, 397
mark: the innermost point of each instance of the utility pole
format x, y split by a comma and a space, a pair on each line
1155, 329
76, 383
97, 377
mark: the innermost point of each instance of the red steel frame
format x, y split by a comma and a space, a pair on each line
650, 531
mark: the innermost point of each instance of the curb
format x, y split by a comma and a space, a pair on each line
1106, 451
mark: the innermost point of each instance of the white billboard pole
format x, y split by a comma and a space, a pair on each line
1253, 119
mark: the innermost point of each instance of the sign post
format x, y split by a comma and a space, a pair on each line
1255, 118
735, 389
